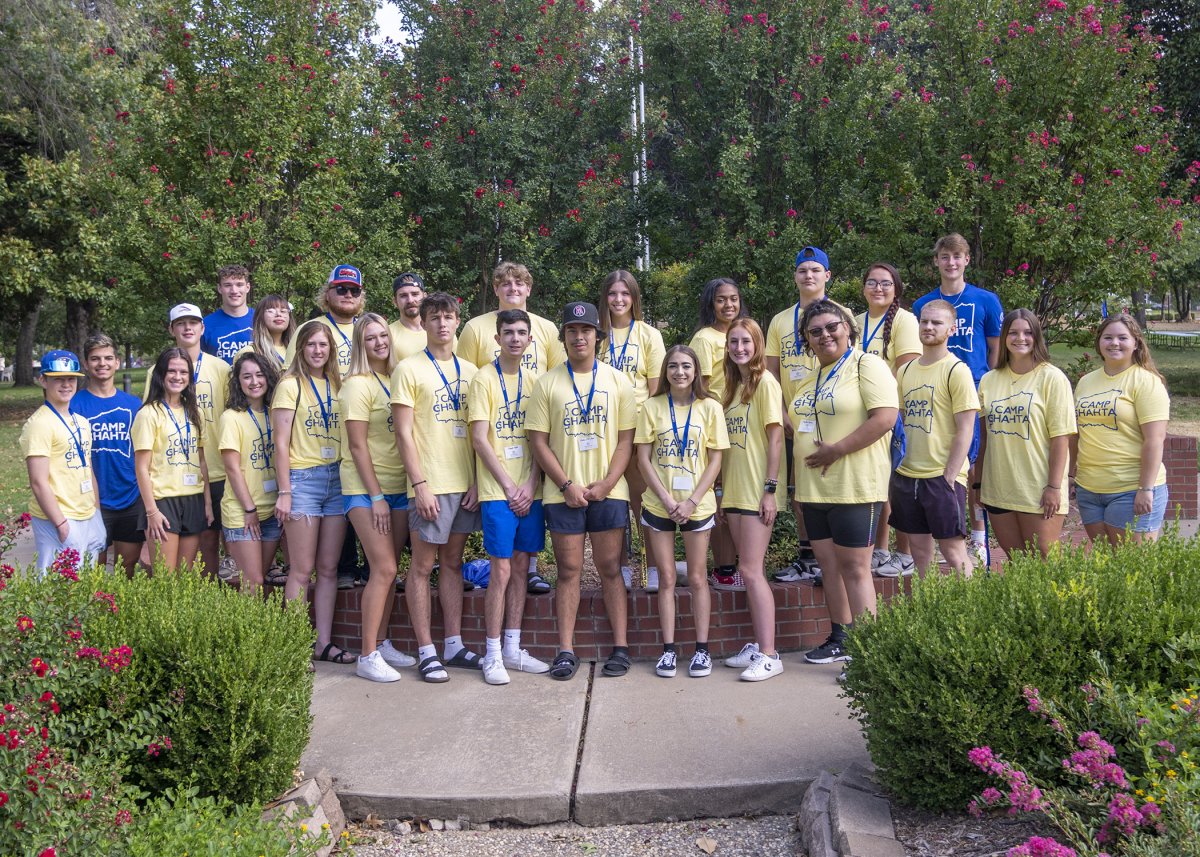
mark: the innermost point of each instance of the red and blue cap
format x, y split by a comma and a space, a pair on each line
347, 274
61, 364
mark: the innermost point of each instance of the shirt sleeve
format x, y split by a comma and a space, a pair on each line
876, 384
993, 315
357, 399
36, 440
703, 349
715, 431
468, 344
479, 402
144, 430
404, 386
645, 426
774, 339
287, 395
906, 336
1059, 403
230, 432
627, 405
768, 398
1151, 402
537, 418
656, 352
963, 396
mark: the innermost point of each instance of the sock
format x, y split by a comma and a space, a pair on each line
726, 570
493, 646
424, 652
701, 647
454, 645
668, 647
512, 641
837, 631
979, 536
533, 565
805, 551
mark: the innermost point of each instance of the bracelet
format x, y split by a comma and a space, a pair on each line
281, 492
415, 484
250, 511
770, 486
1151, 490
60, 523
1054, 487
375, 498
562, 488
693, 502
150, 512
975, 486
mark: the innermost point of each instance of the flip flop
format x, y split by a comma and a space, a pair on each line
342, 656
617, 665
432, 671
465, 659
564, 666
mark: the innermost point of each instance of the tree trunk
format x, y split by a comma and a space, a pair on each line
22, 362
79, 324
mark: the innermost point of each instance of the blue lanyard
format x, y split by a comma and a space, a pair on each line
871, 334
187, 444
687, 426
386, 391
578, 398
196, 370
345, 338
832, 372
504, 387
266, 442
612, 351
456, 393
796, 324
325, 406
74, 429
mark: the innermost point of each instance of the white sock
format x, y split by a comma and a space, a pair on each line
493, 646
424, 652
533, 564
454, 645
512, 641
979, 536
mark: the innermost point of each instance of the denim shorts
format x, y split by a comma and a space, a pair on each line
317, 491
505, 533
270, 529
396, 502
1116, 510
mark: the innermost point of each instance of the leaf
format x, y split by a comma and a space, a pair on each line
706, 844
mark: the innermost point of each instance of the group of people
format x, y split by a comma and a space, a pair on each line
254, 430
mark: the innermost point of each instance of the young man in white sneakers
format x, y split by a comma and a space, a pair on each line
510, 492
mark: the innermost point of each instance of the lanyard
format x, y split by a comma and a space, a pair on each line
74, 429
796, 325
455, 394
687, 426
829, 378
325, 406
187, 444
504, 387
871, 333
345, 338
266, 440
578, 398
196, 370
386, 391
612, 351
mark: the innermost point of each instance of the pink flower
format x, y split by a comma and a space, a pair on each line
1039, 846
791, 212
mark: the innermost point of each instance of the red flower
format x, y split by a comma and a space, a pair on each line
316, 245
3, 798
39, 667
24, 624
49, 852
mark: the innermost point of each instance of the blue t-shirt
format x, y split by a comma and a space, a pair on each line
225, 335
979, 316
112, 448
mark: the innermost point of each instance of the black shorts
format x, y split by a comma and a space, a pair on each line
995, 510
928, 507
216, 490
122, 524
788, 458
850, 525
666, 525
184, 514
595, 517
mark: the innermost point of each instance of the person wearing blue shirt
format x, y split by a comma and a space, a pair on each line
231, 326
110, 412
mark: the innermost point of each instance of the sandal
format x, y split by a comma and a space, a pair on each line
617, 665
537, 585
465, 659
564, 666
342, 656
277, 576
432, 671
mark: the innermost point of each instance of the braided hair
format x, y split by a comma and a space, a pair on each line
890, 315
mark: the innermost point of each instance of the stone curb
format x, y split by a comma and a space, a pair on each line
313, 804
847, 815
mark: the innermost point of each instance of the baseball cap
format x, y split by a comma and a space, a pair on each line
345, 274
61, 364
408, 278
812, 254
185, 311
581, 312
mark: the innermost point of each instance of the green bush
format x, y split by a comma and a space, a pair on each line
235, 670
941, 672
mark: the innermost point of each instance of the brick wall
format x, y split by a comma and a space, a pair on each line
1179, 457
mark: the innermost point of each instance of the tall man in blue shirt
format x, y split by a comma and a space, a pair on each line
231, 326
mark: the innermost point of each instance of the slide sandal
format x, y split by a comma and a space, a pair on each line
564, 666
617, 665
432, 671
465, 659
342, 656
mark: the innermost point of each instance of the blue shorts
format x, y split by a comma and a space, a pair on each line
270, 529
1116, 510
596, 517
396, 502
504, 533
317, 491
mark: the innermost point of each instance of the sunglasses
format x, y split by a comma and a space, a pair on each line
352, 291
831, 329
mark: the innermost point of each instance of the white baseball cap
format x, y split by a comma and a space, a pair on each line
185, 311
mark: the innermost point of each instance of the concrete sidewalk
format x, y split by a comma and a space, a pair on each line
595, 750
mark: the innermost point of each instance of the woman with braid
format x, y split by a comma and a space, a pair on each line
891, 332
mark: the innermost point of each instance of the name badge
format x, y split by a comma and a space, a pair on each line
328, 452
798, 373
459, 431
806, 426
588, 441
191, 479
683, 483
85, 486
514, 452
270, 486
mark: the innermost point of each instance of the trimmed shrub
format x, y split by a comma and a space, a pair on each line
943, 671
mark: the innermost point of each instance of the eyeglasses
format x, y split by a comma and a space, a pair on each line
352, 291
831, 329
879, 285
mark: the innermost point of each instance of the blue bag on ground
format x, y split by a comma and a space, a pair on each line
478, 571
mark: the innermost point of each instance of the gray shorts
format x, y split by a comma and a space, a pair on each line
452, 518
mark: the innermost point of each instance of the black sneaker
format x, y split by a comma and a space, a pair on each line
828, 652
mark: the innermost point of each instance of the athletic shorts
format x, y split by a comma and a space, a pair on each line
666, 525
504, 533
270, 529
396, 502
184, 514
122, 524
316, 491
451, 518
1116, 510
850, 525
86, 536
216, 490
596, 517
928, 507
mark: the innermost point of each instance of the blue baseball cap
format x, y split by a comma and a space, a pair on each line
345, 274
61, 364
812, 254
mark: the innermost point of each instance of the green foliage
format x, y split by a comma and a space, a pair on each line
941, 672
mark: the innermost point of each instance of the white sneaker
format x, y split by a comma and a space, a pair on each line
701, 664
523, 662
494, 671
374, 668
394, 656
666, 665
907, 564
627, 576
890, 567
762, 667
652, 579
979, 553
878, 558
743, 658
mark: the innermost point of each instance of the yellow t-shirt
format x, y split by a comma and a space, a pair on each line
255, 444
709, 345
212, 387
677, 464
638, 354
172, 441
930, 396
439, 428
478, 345
556, 410
364, 399
1111, 410
795, 362
1021, 413
506, 427
905, 338
847, 393
316, 438
341, 334
744, 467
406, 342
45, 436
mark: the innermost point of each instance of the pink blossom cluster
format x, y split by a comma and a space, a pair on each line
1041, 846
1124, 817
67, 564
1023, 796
1092, 762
